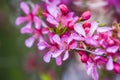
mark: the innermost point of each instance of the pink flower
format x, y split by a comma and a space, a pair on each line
92, 70
53, 52
66, 43
30, 16
87, 35
36, 34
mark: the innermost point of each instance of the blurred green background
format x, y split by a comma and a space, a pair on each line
12, 49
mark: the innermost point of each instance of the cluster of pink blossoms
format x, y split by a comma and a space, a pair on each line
97, 46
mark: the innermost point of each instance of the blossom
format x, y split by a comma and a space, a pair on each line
66, 43
87, 35
53, 52
30, 16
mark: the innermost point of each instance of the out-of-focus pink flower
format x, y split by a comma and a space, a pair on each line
36, 34
30, 16
117, 67
92, 70
115, 4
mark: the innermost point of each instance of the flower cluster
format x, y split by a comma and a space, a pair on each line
97, 45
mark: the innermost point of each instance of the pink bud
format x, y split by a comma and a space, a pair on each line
84, 58
117, 67
64, 9
110, 42
87, 24
71, 25
87, 30
86, 15
81, 53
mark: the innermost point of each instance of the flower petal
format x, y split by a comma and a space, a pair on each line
95, 73
59, 60
20, 20
29, 42
73, 44
109, 65
112, 49
37, 22
47, 57
76, 37
53, 10
57, 39
24, 6
103, 29
27, 29
99, 51
51, 20
91, 41
35, 9
57, 53
79, 29
94, 26
66, 56
43, 45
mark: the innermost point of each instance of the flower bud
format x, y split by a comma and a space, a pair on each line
84, 58
81, 53
110, 42
87, 24
87, 30
64, 9
117, 67
86, 15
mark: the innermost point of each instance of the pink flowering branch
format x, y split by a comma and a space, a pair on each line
58, 30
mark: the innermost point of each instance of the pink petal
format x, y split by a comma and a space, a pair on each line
29, 42
94, 26
73, 45
24, 6
59, 61
47, 57
66, 56
43, 45
35, 9
37, 22
45, 30
53, 10
89, 68
109, 65
95, 73
76, 37
91, 41
57, 39
27, 29
20, 20
112, 49
99, 51
50, 35
57, 53
56, 2
103, 29
51, 20
79, 29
